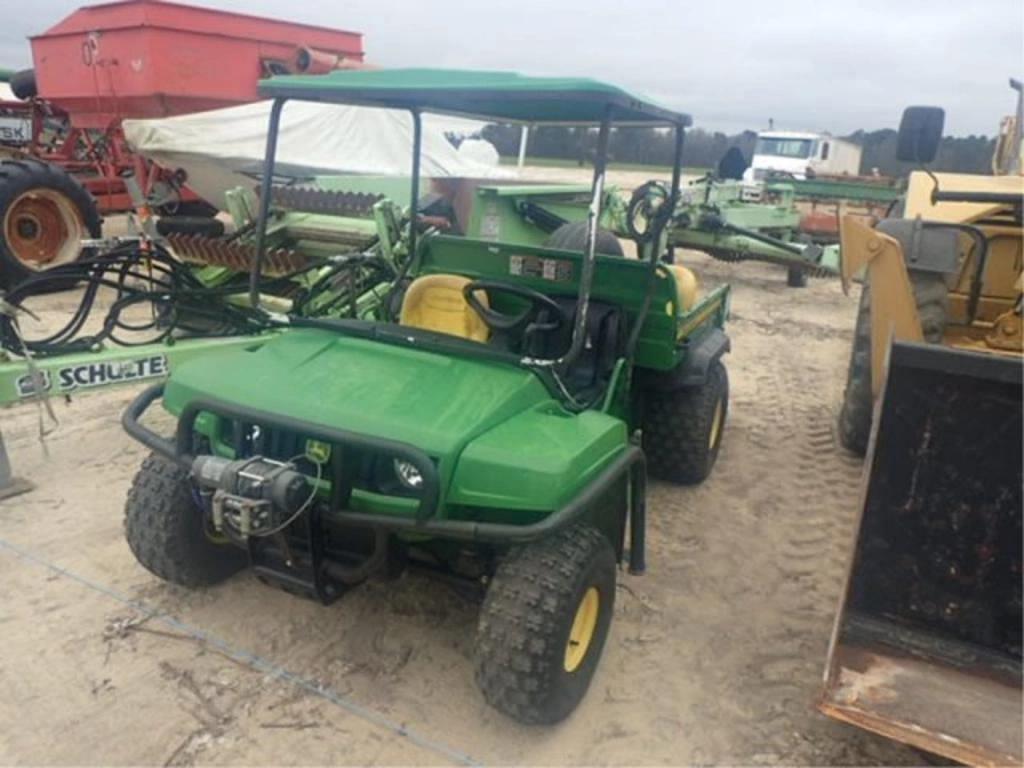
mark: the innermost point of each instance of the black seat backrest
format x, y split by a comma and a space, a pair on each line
604, 343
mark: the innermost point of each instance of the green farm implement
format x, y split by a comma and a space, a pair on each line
708, 215
714, 216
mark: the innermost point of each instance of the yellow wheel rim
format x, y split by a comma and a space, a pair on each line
716, 425
582, 632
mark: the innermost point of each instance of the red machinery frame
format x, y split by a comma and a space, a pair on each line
149, 59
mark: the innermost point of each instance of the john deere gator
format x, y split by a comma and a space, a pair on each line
491, 418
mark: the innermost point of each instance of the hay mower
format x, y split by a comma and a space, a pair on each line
489, 417
710, 215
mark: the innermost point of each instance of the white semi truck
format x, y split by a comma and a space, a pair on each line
802, 155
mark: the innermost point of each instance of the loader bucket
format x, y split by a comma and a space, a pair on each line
927, 643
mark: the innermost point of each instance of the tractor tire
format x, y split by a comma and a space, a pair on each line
23, 84
544, 623
573, 237
165, 531
796, 278
44, 213
932, 298
682, 429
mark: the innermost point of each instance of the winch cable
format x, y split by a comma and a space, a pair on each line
314, 487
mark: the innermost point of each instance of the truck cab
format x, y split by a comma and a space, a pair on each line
801, 155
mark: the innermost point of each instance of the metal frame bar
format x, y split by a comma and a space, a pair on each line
677, 161
414, 193
83, 372
266, 184
677, 175
589, 252
10, 485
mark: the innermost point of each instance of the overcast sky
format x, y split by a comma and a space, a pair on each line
825, 65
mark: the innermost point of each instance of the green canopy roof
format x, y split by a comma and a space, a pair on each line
493, 96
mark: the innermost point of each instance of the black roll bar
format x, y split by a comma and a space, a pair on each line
266, 184
414, 192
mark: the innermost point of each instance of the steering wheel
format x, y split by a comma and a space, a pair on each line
525, 321
647, 207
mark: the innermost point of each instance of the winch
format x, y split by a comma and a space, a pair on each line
255, 496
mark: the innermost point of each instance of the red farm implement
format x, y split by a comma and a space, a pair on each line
127, 60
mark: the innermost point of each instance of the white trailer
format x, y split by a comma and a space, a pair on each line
802, 155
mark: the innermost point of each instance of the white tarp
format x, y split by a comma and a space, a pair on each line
224, 148
480, 151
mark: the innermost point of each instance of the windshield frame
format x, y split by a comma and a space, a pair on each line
778, 141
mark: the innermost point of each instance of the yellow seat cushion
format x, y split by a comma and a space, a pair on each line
436, 303
686, 285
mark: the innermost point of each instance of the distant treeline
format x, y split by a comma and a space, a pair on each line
703, 149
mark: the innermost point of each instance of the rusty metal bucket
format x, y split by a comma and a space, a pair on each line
927, 643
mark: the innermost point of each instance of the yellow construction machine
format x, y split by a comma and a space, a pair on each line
926, 647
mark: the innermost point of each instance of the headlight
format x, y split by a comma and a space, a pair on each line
409, 475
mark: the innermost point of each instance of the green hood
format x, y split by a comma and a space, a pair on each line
500, 440
432, 401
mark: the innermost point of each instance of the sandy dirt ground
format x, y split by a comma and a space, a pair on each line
715, 655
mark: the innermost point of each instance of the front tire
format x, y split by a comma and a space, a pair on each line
932, 298
165, 530
682, 429
544, 623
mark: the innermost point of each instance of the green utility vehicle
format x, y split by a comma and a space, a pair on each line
490, 420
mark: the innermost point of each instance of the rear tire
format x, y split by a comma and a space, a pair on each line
43, 213
544, 623
682, 429
165, 530
932, 298
573, 237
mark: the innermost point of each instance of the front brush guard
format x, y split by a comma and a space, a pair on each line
629, 463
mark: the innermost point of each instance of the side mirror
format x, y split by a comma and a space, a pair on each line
920, 134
